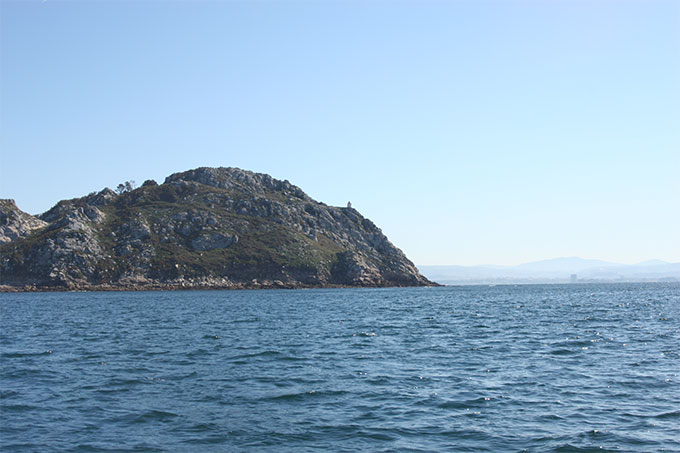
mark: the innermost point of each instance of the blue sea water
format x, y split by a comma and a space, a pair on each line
505, 368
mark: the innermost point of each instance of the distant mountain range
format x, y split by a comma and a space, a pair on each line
556, 270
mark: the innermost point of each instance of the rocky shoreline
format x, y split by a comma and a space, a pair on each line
265, 285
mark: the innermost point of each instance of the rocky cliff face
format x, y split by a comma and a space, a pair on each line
14, 223
208, 227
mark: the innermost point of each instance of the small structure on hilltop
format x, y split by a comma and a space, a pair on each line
349, 204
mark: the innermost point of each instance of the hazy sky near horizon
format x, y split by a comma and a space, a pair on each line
471, 132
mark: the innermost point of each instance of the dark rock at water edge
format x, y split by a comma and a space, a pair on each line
203, 228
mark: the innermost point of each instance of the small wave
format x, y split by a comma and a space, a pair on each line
378, 435
147, 417
465, 404
16, 408
108, 391
269, 353
563, 352
123, 382
155, 353
665, 415
202, 427
573, 343
290, 358
207, 440
575, 449
6, 394
198, 353
157, 415
24, 446
18, 355
304, 395
29, 373
94, 448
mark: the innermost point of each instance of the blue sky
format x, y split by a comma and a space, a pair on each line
470, 131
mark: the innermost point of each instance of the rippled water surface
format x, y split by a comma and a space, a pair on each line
506, 368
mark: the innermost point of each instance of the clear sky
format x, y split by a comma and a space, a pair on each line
471, 132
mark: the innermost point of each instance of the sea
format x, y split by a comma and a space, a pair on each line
564, 368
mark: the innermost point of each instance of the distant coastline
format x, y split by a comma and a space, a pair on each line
557, 271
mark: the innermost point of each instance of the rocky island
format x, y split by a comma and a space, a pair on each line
203, 228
